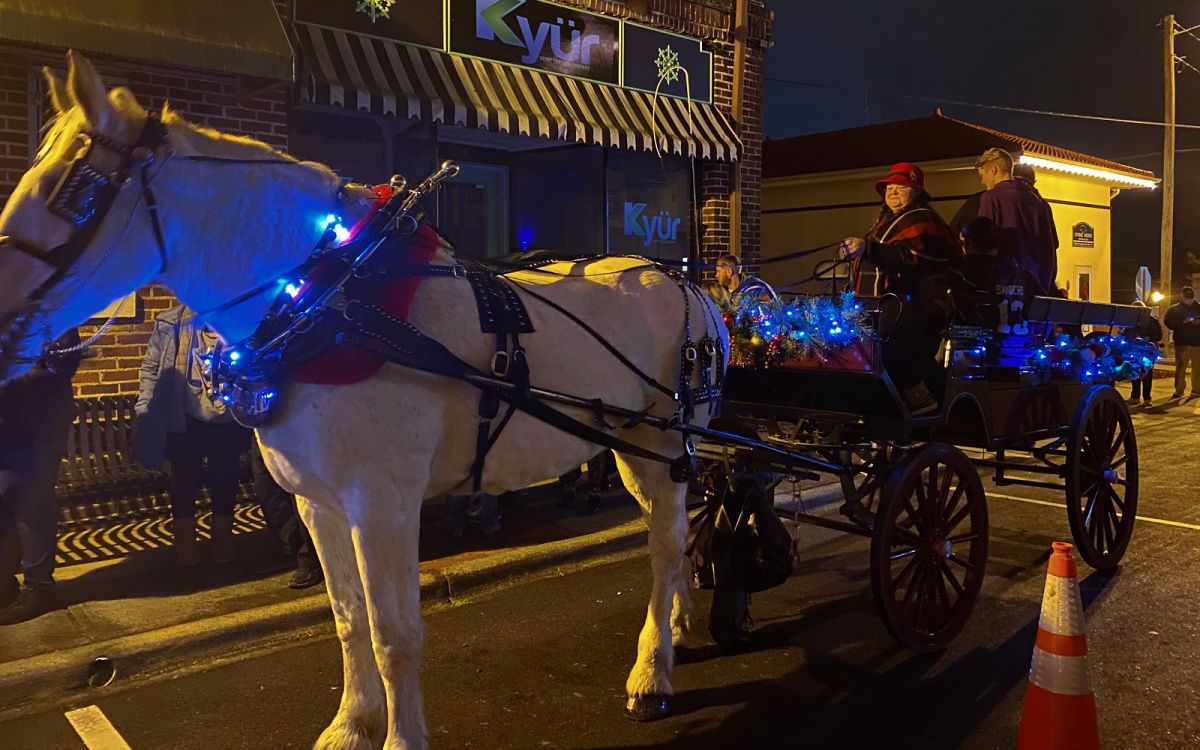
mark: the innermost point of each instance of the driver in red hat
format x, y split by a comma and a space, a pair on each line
912, 253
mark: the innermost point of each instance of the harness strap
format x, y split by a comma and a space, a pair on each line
402, 343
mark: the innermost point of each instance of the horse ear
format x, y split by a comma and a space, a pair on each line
58, 91
86, 88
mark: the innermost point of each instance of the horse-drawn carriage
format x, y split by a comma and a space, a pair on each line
911, 484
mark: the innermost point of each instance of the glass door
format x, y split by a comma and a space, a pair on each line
474, 211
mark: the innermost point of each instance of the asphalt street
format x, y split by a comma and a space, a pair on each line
544, 664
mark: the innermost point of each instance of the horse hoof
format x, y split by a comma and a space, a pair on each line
647, 707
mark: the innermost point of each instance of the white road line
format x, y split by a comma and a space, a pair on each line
1147, 519
96, 731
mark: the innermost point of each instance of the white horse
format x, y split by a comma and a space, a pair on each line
361, 458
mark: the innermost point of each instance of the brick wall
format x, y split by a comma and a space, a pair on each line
207, 99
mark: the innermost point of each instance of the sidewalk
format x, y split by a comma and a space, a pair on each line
149, 616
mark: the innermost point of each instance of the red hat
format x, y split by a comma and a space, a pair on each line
905, 173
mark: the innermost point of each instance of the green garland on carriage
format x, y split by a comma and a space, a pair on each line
766, 333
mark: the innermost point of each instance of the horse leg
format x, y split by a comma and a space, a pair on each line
360, 720
385, 527
649, 685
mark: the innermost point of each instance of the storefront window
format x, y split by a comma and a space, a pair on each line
649, 205
557, 196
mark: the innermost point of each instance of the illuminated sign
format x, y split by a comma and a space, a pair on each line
652, 228
649, 55
539, 35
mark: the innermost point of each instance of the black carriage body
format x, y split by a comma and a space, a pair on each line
908, 483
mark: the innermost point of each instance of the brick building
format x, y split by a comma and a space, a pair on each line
551, 110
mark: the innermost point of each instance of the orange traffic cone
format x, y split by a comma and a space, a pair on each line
1060, 709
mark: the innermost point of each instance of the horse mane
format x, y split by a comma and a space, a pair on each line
190, 139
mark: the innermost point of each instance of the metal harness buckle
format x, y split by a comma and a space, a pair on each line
501, 361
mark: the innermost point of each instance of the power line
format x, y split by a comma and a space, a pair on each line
978, 105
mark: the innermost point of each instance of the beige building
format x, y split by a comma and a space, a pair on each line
819, 188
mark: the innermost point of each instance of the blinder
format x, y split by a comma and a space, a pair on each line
82, 189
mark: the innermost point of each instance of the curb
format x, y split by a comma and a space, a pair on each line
62, 675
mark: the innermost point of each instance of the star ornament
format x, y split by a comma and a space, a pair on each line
667, 63
376, 9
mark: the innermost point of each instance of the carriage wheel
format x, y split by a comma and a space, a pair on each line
1102, 478
929, 547
865, 486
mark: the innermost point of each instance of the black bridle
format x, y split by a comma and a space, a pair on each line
84, 196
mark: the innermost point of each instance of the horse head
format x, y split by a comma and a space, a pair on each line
118, 197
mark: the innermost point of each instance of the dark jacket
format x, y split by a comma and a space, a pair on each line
1026, 227
1151, 330
1180, 320
37, 408
919, 258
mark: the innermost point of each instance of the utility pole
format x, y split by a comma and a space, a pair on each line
1170, 29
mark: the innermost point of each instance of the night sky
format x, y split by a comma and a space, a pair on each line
865, 61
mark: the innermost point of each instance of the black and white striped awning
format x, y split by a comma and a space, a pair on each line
385, 78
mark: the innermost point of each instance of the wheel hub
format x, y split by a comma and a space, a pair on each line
943, 548
1110, 476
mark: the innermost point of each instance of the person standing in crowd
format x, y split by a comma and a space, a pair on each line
36, 411
285, 524
1184, 321
739, 287
1151, 331
179, 422
912, 253
1024, 219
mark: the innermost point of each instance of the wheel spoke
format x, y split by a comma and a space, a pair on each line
1116, 446
922, 595
963, 538
942, 593
969, 567
1118, 501
904, 554
952, 505
907, 537
1090, 507
953, 523
899, 580
1118, 463
1110, 526
913, 583
949, 574
943, 496
912, 516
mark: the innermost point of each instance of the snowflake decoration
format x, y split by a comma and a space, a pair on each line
375, 8
667, 63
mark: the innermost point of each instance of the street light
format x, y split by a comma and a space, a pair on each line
1157, 297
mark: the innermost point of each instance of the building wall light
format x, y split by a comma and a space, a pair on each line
1101, 174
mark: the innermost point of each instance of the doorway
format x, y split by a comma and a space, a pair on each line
1083, 282
473, 211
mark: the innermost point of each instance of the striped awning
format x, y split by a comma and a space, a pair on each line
386, 78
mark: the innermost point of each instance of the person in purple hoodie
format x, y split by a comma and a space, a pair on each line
1024, 219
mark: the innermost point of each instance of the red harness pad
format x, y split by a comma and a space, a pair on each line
343, 365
